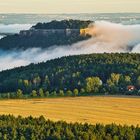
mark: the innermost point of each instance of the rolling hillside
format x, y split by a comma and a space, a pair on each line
84, 74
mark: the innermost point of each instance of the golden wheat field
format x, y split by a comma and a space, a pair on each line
119, 110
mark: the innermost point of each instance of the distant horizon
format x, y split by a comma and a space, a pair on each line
74, 13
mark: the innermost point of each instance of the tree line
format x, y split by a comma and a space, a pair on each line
75, 75
30, 128
63, 24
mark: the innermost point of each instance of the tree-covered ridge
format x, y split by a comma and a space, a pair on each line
64, 24
76, 75
30, 128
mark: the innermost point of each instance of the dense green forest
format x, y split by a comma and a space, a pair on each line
64, 24
30, 128
20, 42
75, 75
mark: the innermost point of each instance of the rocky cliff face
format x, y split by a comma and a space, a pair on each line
48, 32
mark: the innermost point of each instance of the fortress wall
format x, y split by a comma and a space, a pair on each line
48, 32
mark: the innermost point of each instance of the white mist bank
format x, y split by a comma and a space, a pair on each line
1, 36
14, 28
111, 37
106, 37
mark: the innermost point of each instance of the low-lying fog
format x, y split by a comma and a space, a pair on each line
106, 37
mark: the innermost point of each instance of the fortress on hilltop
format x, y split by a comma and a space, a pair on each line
48, 32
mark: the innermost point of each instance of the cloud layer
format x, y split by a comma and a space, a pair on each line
106, 37
13, 28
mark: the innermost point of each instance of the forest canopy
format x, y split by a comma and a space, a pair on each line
30, 128
64, 24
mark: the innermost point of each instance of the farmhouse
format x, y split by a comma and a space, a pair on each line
130, 88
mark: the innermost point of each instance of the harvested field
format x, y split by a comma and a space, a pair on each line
119, 110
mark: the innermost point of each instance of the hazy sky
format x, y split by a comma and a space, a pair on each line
69, 6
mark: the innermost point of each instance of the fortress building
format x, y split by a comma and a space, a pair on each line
47, 32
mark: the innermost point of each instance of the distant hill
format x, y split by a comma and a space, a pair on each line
34, 40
